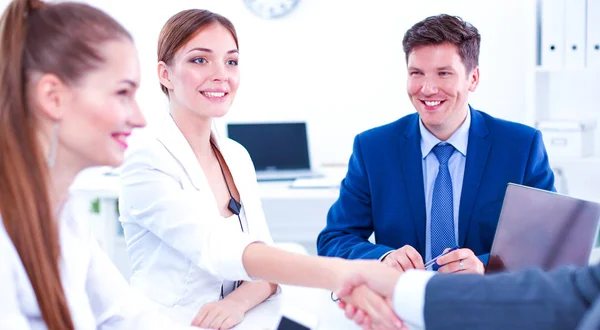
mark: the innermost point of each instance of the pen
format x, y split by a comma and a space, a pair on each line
432, 261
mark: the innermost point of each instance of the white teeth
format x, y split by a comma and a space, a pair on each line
214, 94
432, 103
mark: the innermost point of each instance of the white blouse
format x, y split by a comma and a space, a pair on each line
97, 294
180, 247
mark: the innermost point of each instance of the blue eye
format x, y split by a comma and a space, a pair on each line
414, 73
232, 62
199, 60
444, 73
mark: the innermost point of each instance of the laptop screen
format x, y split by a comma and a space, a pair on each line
273, 146
543, 229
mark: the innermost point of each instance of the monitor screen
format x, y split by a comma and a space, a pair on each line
273, 146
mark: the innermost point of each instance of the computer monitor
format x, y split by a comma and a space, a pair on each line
538, 228
278, 150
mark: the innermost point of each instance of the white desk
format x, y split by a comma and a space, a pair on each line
314, 301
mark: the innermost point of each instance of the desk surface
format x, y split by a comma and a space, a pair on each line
317, 302
95, 183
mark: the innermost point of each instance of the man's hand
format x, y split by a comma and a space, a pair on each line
404, 258
461, 260
222, 314
369, 310
377, 277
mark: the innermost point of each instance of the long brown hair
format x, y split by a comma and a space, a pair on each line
60, 39
182, 27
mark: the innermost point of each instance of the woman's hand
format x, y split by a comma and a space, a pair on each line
366, 288
369, 310
222, 314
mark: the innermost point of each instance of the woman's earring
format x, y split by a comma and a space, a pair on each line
53, 143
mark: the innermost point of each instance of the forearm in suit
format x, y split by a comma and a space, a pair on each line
350, 219
530, 299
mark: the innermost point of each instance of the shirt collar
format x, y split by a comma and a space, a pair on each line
459, 139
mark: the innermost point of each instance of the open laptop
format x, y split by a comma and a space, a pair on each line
279, 150
538, 228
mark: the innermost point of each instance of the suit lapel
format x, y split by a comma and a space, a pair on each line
412, 170
477, 155
171, 137
234, 163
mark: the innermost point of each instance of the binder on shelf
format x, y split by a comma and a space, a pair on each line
553, 33
593, 34
575, 31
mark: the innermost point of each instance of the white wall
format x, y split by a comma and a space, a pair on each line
339, 64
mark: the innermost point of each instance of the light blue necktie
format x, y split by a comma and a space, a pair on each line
442, 204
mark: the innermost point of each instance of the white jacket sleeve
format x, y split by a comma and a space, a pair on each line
115, 305
11, 317
153, 198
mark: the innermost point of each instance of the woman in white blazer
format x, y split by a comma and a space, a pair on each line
190, 204
68, 74
190, 201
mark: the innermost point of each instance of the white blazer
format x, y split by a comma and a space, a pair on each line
97, 294
180, 248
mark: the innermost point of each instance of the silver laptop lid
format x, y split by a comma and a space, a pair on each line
538, 228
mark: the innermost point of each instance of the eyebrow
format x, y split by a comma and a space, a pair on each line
207, 50
443, 68
129, 82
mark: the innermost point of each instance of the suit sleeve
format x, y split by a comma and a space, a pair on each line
350, 218
538, 173
529, 299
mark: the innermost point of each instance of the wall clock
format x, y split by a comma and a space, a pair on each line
270, 9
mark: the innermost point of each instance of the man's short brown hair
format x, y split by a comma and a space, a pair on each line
443, 28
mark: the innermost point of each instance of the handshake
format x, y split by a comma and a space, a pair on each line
366, 288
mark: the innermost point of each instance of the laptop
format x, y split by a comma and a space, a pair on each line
279, 150
538, 228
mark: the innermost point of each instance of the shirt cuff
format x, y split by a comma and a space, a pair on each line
409, 297
385, 255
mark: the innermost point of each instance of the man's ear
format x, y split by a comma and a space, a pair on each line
163, 75
50, 95
474, 79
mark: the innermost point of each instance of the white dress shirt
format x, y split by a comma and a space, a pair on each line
97, 294
409, 293
456, 166
181, 249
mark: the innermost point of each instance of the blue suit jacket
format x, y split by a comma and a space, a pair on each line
383, 190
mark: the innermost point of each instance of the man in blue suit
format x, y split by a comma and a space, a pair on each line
436, 178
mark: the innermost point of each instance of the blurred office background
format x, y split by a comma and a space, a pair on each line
338, 66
